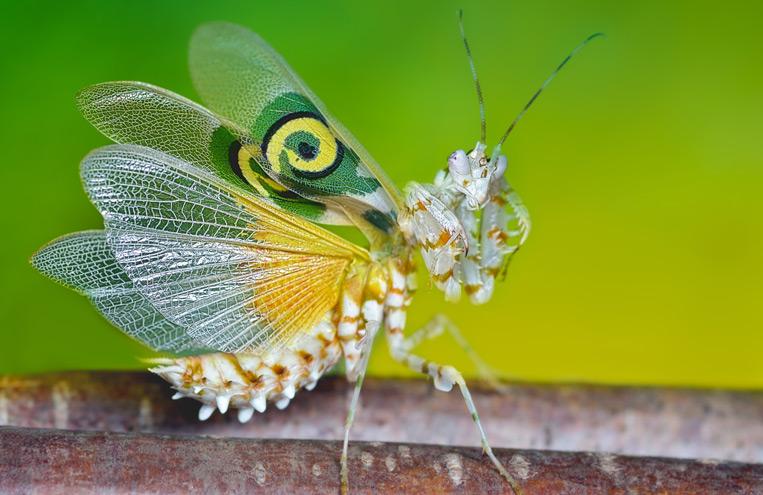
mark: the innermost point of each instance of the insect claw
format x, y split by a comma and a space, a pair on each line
205, 411
245, 414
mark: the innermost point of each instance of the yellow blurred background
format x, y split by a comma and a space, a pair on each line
641, 166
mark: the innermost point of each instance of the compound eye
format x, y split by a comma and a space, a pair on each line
458, 163
303, 144
500, 166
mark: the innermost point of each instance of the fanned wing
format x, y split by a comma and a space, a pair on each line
83, 262
139, 113
233, 271
240, 77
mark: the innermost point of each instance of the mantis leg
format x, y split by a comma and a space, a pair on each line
444, 378
440, 324
362, 365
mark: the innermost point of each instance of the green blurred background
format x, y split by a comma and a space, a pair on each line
641, 167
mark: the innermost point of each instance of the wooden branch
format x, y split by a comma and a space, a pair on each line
637, 421
63, 462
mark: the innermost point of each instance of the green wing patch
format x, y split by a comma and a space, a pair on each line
139, 113
302, 146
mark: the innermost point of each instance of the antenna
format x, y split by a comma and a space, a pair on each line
483, 124
546, 83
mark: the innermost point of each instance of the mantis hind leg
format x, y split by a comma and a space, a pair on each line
343, 470
440, 324
367, 304
444, 378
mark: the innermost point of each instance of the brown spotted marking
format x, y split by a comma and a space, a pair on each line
498, 235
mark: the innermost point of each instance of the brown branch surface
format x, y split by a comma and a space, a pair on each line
636, 421
64, 462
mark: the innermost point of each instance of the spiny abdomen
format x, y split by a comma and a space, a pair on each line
247, 381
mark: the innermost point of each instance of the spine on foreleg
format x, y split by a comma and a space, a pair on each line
432, 226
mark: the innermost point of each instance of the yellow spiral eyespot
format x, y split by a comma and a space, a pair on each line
302, 142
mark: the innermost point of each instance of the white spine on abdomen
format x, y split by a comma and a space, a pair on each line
371, 297
248, 381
